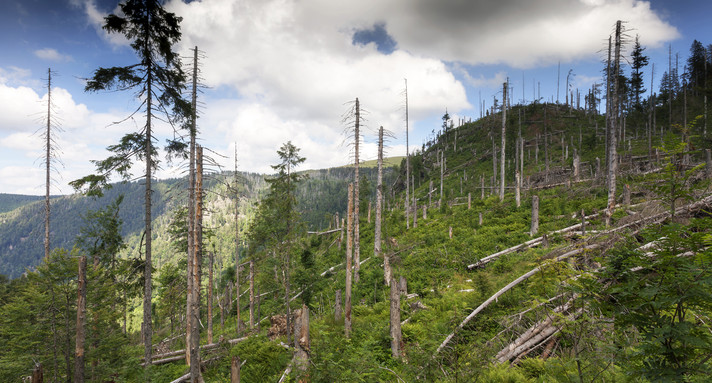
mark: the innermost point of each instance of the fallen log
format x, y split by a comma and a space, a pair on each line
180, 354
528, 244
504, 290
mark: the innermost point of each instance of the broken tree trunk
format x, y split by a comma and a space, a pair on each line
301, 338
535, 216
507, 288
395, 326
337, 306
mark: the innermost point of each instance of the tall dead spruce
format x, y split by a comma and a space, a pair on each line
612, 121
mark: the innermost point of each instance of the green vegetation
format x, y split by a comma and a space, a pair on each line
629, 302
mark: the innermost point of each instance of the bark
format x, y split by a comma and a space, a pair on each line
301, 339
235, 370
504, 141
37, 374
535, 216
337, 306
147, 329
442, 174
395, 326
349, 240
357, 200
191, 209
237, 253
377, 243
81, 320
210, 298
407, 162
577, 166
612, 127
708, 160
252, 294
195, 375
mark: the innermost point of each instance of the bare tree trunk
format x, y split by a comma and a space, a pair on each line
235, 370
191, 210
407, 162
237, 253
195, 375
377, 243
395, 326
37, 374
535, 216
442, 174
81, 320
252, 294
301, 338
210, 298
349, 240
337, 306
708, 160
504, 141
577, 165
612, 122
357, 200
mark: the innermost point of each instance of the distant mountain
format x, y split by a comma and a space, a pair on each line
10, 202
22, 220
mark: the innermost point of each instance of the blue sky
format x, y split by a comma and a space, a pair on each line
279, 70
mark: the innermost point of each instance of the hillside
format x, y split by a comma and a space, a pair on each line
483, 298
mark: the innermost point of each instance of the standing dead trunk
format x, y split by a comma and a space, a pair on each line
252, 294
210, 298
357, 200
626, 195
191, 211
708, 159
37, 374
377, 243
612, 128
235, 370
81, 319
442, 176
195, 375
237, 253
407, 162
577, 166
504, 141
349, 240
301, 338
395, 326
535, 216
337, 306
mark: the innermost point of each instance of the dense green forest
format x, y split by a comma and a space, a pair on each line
523, 255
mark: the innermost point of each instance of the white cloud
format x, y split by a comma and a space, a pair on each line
51, 55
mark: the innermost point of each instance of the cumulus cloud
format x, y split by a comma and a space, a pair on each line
51, 55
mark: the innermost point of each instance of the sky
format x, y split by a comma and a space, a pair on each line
288, 70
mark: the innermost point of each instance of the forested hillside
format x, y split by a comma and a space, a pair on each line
542, 242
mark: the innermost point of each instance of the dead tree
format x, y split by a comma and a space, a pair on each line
395, 326
379, 207
194, 320
535, 216
407, 161
504, 141
612, 120
252, 294
237, 250
357, 200
349, 241
301, 338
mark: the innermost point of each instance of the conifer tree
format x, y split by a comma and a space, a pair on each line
157, 80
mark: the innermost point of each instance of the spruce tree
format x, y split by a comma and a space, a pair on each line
157, 81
